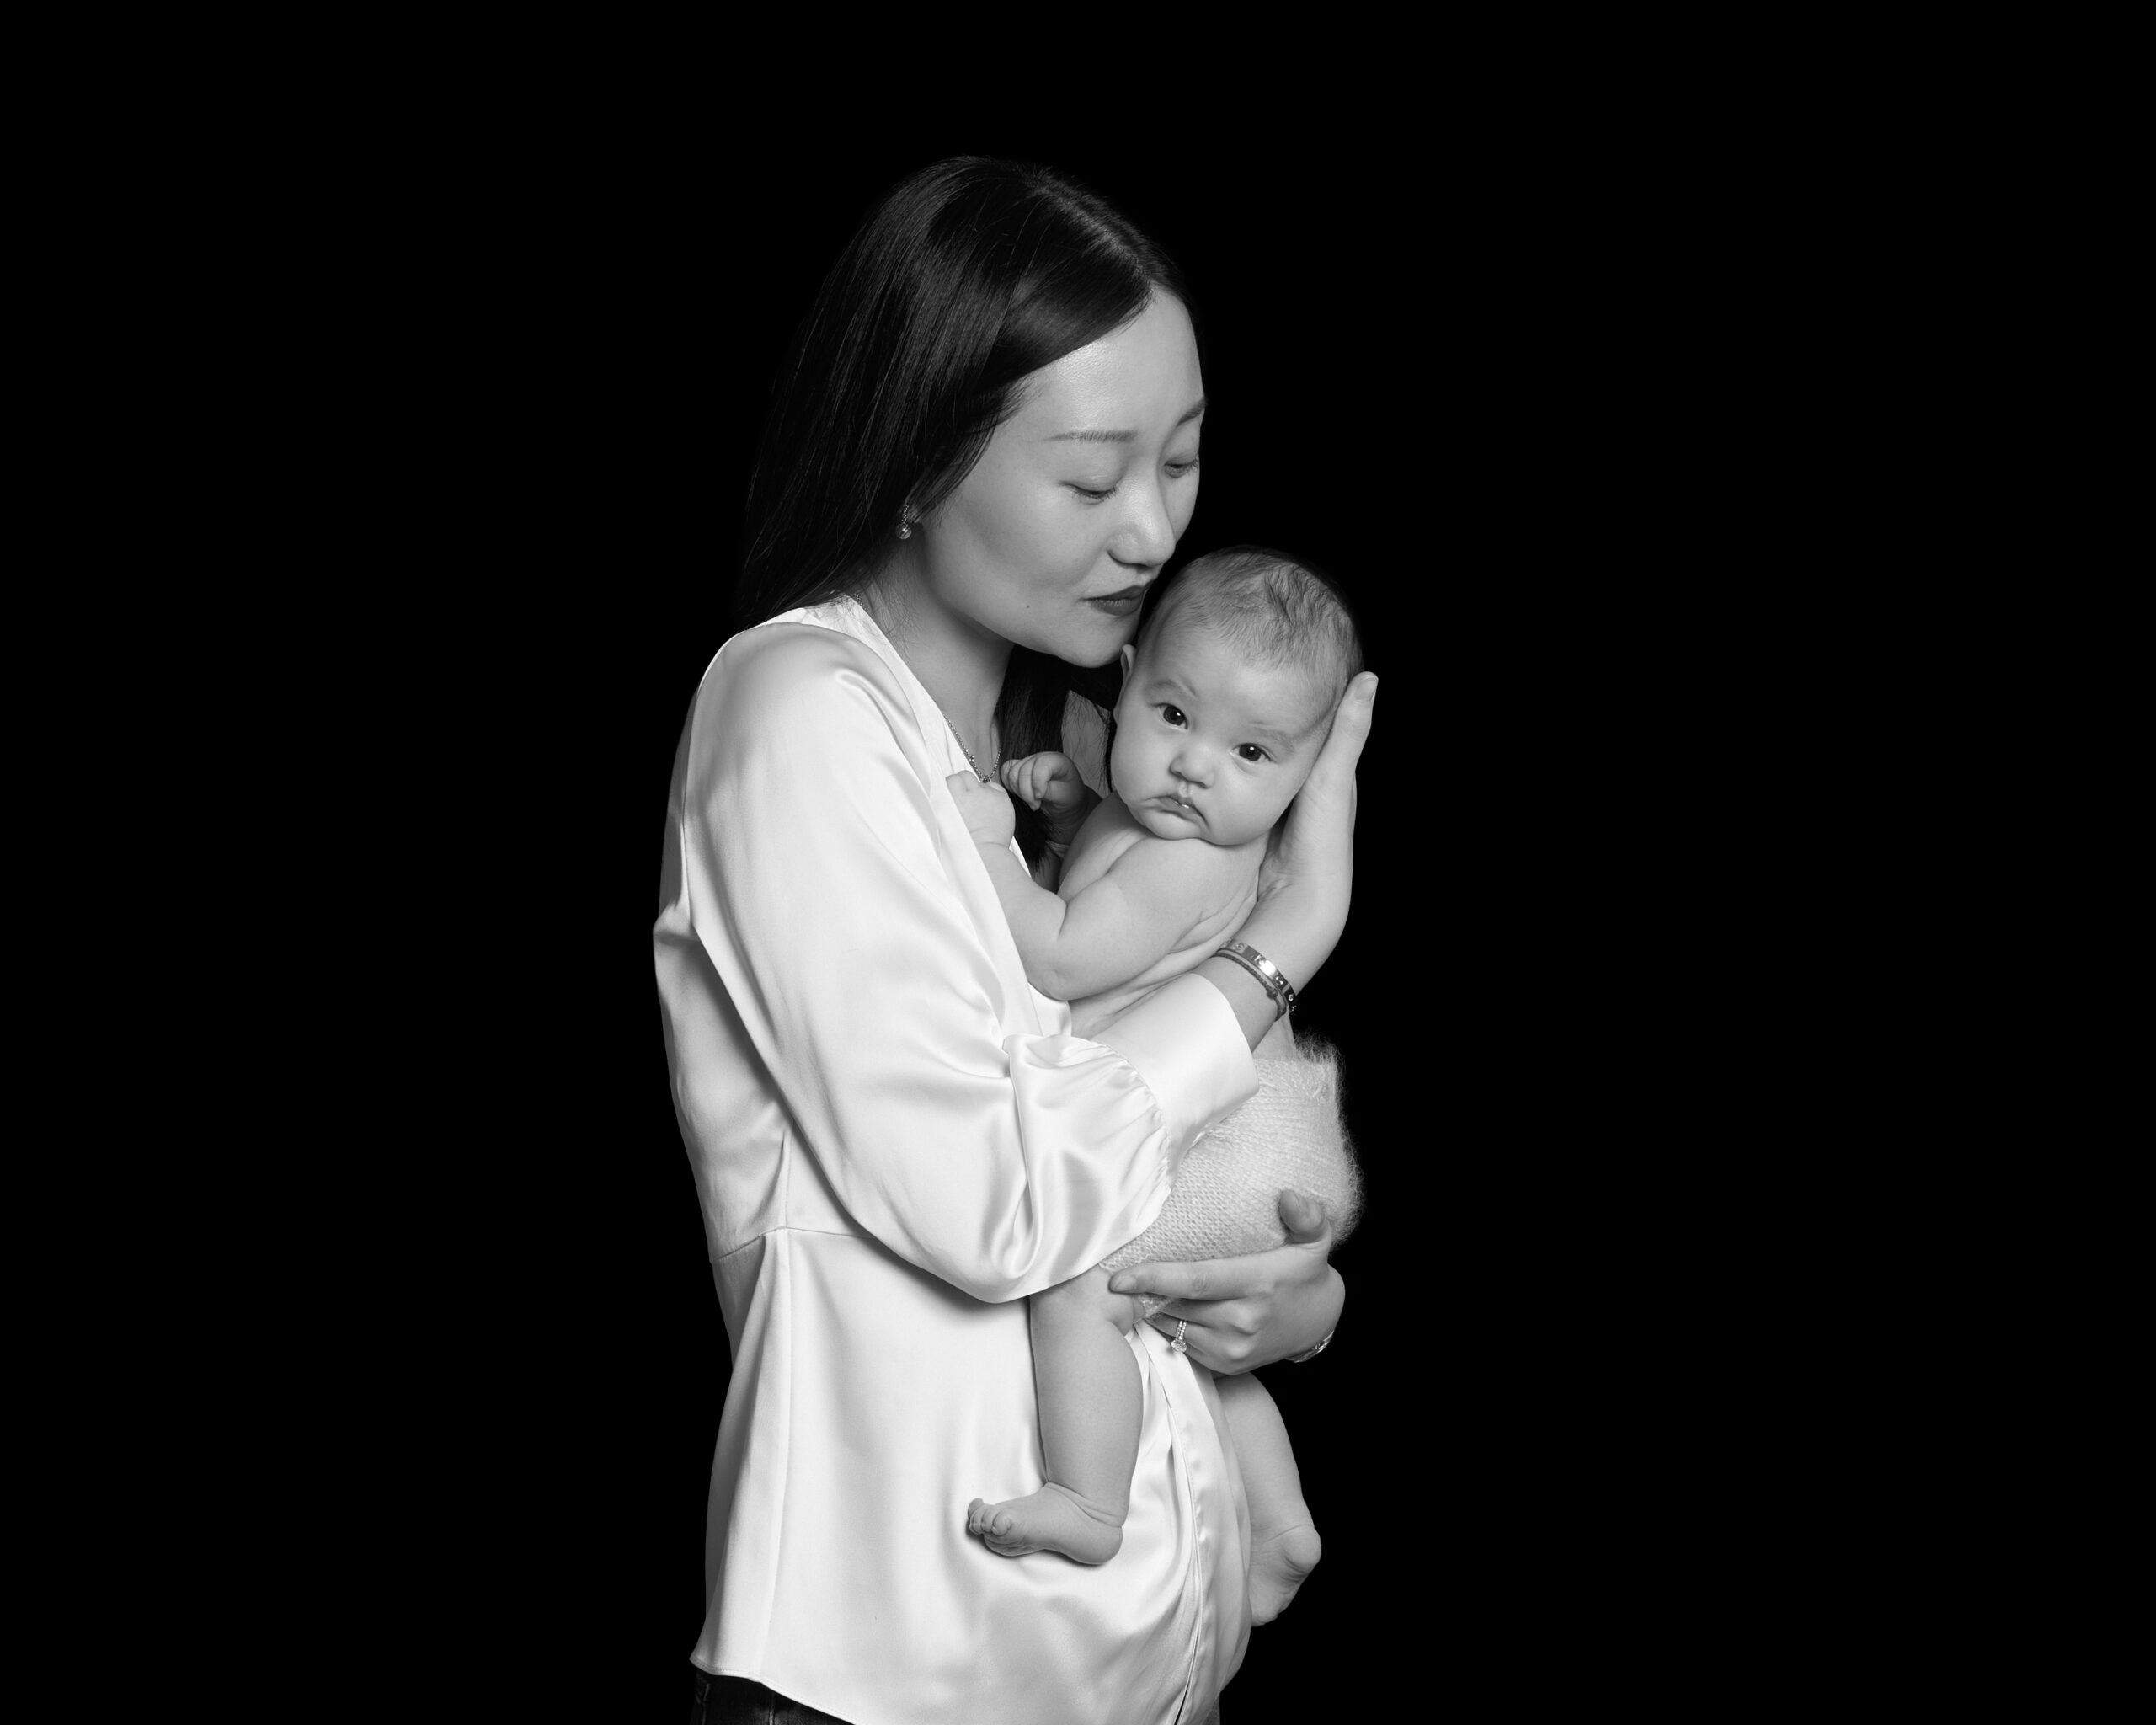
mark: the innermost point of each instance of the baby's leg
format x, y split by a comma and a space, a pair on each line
1283, 1542
1087, 1384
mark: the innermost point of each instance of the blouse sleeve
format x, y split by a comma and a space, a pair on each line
819, 869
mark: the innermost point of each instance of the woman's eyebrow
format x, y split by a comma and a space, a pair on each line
1189, 414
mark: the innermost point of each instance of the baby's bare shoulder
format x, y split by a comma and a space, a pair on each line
1199, 873
1108, 831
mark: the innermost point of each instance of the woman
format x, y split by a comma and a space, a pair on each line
984, 448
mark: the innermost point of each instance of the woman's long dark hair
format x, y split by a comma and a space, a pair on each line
964, 280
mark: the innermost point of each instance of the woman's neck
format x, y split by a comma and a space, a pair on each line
959, 663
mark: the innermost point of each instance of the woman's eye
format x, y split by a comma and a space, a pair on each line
1093, 496
1251, 751
1181, 469
1172, 713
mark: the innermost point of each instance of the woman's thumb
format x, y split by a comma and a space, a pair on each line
1304, 1217
1351, 719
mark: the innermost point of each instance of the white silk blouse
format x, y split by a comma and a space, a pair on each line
896, 1140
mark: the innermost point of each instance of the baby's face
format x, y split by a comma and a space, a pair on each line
1209, 745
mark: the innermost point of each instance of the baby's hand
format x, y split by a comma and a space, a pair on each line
1049, 778
1049, 782
987, 811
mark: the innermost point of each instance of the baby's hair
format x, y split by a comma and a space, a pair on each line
1277, 608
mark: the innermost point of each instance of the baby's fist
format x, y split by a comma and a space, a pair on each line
985, 807
1048, 782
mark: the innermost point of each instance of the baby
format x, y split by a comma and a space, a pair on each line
1228, 695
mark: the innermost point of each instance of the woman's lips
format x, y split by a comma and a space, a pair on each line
1123, 604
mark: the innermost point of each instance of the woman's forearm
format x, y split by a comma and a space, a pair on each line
1297, 943
1308, 879
1255, 1012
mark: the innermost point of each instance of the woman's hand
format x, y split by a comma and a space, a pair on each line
1310, 868
1249, 1311
1309, 873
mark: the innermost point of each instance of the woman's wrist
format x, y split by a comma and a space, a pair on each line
1305, 1321
1270, 976
1292, 954
1331, 1300
1296, 942
1246, 997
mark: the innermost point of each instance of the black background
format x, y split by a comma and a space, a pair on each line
1408, 383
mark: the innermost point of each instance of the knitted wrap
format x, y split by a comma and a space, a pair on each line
1227, 1193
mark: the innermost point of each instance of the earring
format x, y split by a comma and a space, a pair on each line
906, 519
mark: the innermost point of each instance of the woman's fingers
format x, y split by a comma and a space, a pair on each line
1228, 1307
1230, 1278
1222, 1341
1313, 850
1335, 768
1215, 1278
1329, 793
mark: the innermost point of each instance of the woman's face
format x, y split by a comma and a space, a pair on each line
1079, 497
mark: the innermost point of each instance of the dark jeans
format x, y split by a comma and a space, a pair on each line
735, 1701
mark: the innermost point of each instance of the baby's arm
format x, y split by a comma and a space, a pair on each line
1141, 910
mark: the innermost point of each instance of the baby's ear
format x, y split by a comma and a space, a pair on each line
1127, 656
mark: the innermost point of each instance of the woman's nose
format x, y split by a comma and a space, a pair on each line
1147, 535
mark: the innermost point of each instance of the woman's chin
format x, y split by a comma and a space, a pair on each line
1090, 641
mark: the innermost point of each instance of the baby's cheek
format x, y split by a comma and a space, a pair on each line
1121, 770
1276, 806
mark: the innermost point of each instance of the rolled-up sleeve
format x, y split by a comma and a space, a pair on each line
822, 878
1176, 1038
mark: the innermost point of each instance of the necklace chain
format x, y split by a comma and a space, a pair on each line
965, 751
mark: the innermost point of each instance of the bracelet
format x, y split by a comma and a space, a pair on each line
1277, 989
1298, 1359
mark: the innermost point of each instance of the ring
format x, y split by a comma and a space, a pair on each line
1178, 1345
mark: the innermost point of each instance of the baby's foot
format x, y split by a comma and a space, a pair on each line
1280, 1562
1051, 1519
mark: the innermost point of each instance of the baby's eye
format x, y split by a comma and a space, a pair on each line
1251, 751
1172, 713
